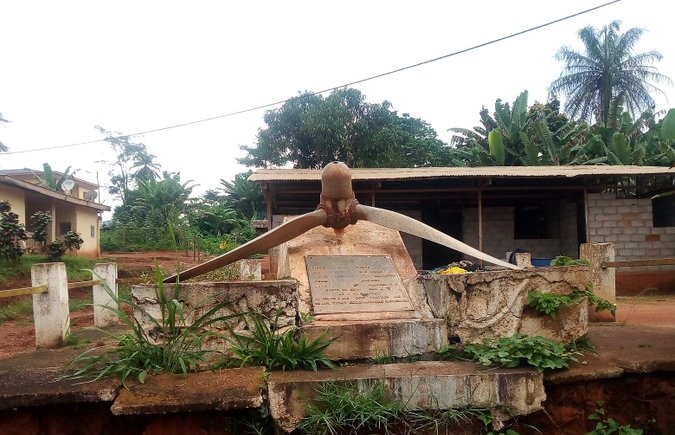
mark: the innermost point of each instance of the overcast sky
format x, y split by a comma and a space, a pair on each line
132, 66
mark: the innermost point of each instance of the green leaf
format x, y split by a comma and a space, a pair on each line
668, 125
621, 144
497, 150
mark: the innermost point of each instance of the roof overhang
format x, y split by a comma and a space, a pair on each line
51, 193
391, 174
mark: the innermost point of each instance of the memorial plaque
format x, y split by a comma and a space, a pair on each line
355, 283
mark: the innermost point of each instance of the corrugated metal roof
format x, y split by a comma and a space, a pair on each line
451, 172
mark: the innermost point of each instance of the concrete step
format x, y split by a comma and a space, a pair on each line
223, 390
419, 385
362, 339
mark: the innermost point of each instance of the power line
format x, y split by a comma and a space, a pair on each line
276, 103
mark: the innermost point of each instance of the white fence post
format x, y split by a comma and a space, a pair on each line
51, 312
106, 272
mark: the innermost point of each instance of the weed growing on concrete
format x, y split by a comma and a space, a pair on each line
265, 344
346, 409
383, 358
551, 304
170, 346
563, 260
599, 303
519, 349
609, 426
352, 408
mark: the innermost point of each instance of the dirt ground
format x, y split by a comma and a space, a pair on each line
18, 335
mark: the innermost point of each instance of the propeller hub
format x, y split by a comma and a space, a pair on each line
337, 195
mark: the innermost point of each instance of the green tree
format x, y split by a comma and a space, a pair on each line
516, 135
127, 154
310, 131
244, 196
607, 68
146, 167
160, 205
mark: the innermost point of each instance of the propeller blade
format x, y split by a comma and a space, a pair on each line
270, 239
400, 222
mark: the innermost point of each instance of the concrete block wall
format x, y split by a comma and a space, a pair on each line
628, 223
499, 237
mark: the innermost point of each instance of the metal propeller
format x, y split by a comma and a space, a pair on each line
337, 209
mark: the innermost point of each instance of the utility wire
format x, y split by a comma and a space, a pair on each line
276, 103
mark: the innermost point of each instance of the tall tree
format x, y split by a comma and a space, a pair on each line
607, 68
310, 131
128, 155
146, 167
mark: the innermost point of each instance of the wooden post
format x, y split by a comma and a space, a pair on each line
480, 222
604, 280
107, 273
51, 312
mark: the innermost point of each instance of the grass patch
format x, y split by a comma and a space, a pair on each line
19, 307
349, 408
77, 268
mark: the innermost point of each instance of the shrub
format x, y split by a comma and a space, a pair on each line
72, 241
57, 249
12, 233
39, 223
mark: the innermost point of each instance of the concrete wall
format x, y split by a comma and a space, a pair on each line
86, 223
16, 200
628, 223
499, 237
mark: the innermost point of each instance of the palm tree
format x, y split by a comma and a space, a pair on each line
607, 68
146, 167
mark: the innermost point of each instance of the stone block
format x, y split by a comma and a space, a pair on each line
569, 325
429, 385
227, 389
490, 304
237, 297
373, 338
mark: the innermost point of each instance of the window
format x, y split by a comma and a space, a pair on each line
663, 210
531, 223
93, 231
64, 227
